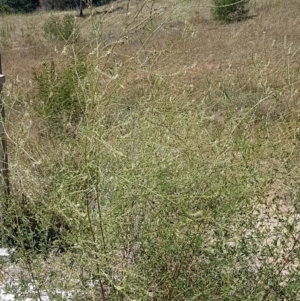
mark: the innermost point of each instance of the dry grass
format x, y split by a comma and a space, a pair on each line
188, 42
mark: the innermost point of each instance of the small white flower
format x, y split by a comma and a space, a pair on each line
64, 51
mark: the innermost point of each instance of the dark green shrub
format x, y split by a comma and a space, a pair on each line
64, 29
18, 6
229, 10
6, 9
32, 227
58, 92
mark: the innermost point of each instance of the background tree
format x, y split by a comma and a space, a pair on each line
27, 6
18, 6
80, 8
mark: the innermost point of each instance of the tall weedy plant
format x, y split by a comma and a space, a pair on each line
168, 188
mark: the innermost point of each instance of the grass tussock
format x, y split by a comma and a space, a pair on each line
167, 142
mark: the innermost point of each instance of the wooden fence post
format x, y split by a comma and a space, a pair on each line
4, 186
3, 142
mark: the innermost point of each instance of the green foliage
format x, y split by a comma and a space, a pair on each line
18, 6
58, 91
33, 226
229, 10
102, 2
6, 9
28, 6
64, 29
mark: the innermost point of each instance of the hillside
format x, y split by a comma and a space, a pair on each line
158, 148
